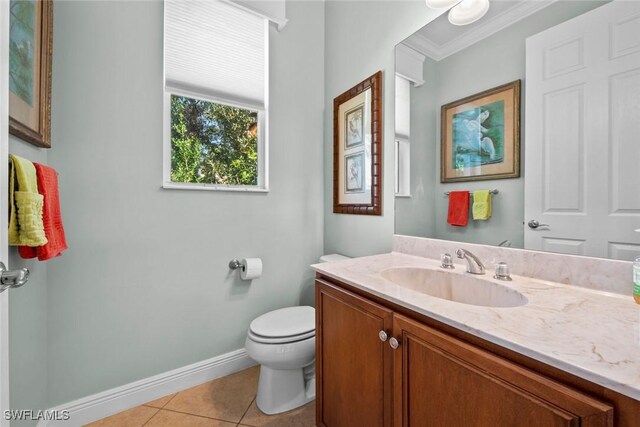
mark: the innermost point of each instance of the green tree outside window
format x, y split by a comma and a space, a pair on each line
213, 143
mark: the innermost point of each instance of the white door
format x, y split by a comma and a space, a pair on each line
4, 189
582, 135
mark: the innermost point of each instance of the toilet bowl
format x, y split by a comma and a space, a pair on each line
283, 343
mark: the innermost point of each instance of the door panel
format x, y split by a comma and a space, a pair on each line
446, 382
625, 150
565, 246
564, 153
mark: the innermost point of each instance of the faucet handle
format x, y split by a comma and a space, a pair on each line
502, 271
447, 261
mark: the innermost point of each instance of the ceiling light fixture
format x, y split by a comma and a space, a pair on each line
463, 12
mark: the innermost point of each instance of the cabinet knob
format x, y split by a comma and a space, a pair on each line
394, 343
383, 336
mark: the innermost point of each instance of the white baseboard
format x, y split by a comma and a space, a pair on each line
101, 405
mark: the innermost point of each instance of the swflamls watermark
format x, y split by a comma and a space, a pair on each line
32, 415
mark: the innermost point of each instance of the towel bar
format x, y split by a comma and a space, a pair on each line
446, 193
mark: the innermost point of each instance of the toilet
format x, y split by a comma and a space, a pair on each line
283, 342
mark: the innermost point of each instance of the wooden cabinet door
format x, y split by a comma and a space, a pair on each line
446, 382
353, 366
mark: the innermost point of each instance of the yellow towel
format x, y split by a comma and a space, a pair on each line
481, 205
25, 210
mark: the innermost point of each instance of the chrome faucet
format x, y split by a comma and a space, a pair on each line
474, 265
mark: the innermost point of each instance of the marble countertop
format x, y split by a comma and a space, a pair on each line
592, 334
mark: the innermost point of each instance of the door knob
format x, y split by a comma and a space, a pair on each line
12, 278
394, 343
533, 224
383, 336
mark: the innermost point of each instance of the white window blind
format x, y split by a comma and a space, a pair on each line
403, 133
216, 49
403, 107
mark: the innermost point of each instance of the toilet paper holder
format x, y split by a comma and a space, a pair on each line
250, 268
235, 264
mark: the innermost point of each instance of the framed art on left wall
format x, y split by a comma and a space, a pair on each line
357, 149
30, 51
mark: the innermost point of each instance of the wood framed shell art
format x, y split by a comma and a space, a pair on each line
357, 149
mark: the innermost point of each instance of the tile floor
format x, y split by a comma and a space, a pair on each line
226, 402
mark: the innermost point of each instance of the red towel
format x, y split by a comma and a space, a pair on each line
458, 208
53, 229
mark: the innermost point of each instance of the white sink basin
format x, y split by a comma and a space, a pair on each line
462, 288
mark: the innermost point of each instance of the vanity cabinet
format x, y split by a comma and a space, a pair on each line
421, 376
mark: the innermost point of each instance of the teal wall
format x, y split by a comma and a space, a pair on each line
144, 287
360, 38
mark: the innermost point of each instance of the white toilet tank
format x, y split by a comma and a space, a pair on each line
333, 257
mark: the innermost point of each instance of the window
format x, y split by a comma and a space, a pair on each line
215, 64
403, 131
409, 73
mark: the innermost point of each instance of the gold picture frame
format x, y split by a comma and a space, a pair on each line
30, 52
357, 149
480, 136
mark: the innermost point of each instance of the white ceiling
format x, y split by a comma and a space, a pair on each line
440, 38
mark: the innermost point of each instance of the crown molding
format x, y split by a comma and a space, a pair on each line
468, 38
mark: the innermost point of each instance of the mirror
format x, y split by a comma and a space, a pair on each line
442, 63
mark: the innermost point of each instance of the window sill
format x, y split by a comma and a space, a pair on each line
212, 187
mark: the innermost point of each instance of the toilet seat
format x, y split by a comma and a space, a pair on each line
285, 325
280, 340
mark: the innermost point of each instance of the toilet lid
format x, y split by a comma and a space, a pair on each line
285, 322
